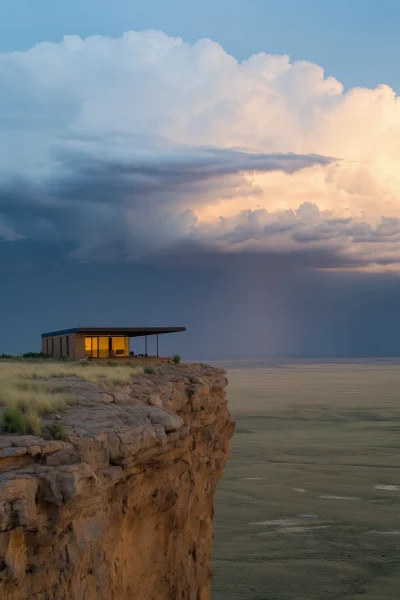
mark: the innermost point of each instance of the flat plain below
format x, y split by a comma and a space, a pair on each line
309, 504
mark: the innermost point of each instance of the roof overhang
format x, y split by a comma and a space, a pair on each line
121, 331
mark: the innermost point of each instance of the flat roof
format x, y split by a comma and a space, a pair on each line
123, 331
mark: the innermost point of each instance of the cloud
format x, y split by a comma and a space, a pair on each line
8, 234
117, 149
139, 201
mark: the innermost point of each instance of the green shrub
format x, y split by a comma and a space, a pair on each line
149, 371
176, 359
35, 355
14, 421
55, 431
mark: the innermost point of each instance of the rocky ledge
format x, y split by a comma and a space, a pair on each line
122, 509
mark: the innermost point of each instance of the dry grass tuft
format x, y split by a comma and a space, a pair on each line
28, 390
109, 376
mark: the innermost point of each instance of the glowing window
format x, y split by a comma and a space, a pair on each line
104, 347
118, 346
88, 346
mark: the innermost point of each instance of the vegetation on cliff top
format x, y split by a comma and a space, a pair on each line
31, 389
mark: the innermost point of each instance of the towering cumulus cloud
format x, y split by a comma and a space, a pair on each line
127, 148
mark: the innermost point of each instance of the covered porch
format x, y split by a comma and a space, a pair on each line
119, 343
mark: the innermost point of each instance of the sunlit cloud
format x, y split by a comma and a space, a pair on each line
127, 147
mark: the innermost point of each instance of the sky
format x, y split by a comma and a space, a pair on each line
231, 167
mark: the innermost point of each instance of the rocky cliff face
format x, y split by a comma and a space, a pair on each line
124, 508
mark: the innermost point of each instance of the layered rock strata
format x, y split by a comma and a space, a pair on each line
123, 508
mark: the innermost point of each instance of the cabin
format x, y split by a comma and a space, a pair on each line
104, 343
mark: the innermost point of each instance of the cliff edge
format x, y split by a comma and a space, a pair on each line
123, 508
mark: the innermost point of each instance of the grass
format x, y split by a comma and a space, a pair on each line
14, 421
307, 438
26, 399
99, 374
29, 390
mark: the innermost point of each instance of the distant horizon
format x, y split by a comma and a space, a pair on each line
300, 357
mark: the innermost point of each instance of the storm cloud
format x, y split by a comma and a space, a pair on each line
122, 149
141, 200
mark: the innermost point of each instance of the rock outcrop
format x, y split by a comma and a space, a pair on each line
123, 508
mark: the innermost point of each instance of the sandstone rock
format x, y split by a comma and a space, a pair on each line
62, 457
51, 446
123, 510
169, 420
8, 452
23, 440
112, 474
34, 450
160, 433
17, 501
220, 383
107, 398
16, 555
155, 400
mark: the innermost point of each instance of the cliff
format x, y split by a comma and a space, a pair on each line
123, 508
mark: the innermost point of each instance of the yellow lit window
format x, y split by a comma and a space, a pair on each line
88, 347
103, 347
118, 345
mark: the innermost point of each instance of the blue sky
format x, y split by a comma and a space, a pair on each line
357, 41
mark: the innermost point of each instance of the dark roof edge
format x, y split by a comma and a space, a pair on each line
116, 330
61, 332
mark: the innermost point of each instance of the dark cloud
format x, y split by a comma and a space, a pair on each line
144, 207
167, 171
120, 209
195, 254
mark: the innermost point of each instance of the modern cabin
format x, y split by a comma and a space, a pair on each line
103, 342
